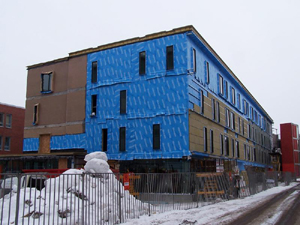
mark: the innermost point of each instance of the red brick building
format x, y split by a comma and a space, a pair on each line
11, 135
289, 133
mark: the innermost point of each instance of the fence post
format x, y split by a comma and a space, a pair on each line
120, 214
18, 198
82, 198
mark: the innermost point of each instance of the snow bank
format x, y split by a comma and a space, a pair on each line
93, 193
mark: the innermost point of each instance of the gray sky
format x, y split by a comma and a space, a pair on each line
259, 40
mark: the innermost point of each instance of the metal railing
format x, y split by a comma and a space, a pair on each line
83, 198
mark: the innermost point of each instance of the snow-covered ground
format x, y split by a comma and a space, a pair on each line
218, 213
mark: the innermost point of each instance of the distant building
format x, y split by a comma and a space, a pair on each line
165, 102
289, 134
11, 136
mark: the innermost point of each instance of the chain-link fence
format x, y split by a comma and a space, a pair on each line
81, 198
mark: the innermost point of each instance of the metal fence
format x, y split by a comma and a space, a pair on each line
81, 198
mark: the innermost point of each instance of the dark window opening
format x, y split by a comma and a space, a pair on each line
94, 105
194, 61
1, 119
8, 121
104, 140
221, 144
226, 140
122, 139
211, 141
123, 102
142, 62
205, 138
94, 71
35, 114
213, 110
218, 112
237, 148
7, 144
0, 143
233, 95
232, 147
221, 88
170, 58
156, 136
207, 73
202, 101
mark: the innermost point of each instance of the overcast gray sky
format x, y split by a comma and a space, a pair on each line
259, 40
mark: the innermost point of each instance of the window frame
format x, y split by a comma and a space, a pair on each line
232, 147
5, 145
123, 102
202, 101
170, 57
226, 145
156, 136
94, 75
8, 122
50, 82
232, 121
233, 95
142, 63
237, 148
221, 85
218, 112
213, 109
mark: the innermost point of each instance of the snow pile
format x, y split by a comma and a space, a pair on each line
93, 193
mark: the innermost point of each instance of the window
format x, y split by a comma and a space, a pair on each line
227, 118
7, 144
221, 88
252, 114
142, 63
1, 119
245, 107
245, 151
202, 101
243, 129
239, 125
170, 58
237, 149
8, 120
248, 152
211, 141
122, 139
35, 114
232, 95
207, 72
239, 101
249, 131
156, 136
194, 61
205, 138
254, 154
218, 112
221, 144
94, 71
0, 142
226, 89
46, 82
232, 147
226, 140
123, 102
104, 140
213, 111
232, 120
94, 105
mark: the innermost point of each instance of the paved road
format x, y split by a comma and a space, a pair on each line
283, 209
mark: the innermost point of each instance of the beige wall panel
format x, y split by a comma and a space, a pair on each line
59, 81
75, 129
76, 106
77, 72
35, 132
197, 108
52, 110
